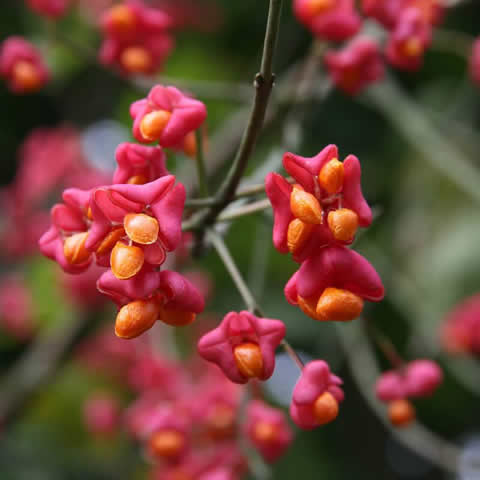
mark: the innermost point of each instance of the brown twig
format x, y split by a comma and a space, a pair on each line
264, 81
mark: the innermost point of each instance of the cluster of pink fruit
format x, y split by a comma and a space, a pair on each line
408, 24
188, 417
137, 39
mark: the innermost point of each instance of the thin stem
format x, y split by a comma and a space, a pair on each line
292, 354
201, 172
232, 268
245, 210
386, 346
244, 291
263, 87
245, 192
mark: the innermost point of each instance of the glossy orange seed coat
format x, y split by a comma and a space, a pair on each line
176, 318
110, 240
331, 176
126, 260
74, 248
308, 306
343, 224
135, 318
338, 305
153, 124
305, 206
325, 408
141, 228
298, 234
249, 360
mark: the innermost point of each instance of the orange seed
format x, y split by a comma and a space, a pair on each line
153, 124
136, 60
343, 224
26, 74
265, 432
176, 318
331, 176
305, 206
126, 260
110, 240
308, 306
401, 413
338, 305
122, 18
412, 47
166, 443
297, 235
74, 248
325, 408
137, 180
249, 360
135, 318
141, 228
317, 7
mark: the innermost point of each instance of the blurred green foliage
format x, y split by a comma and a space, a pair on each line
424, 243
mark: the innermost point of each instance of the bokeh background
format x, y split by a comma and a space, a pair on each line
418, 140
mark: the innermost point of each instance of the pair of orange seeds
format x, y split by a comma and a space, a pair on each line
125, 260
308, 212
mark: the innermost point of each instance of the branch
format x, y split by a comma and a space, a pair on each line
263, 87
243, 289
200, 163
248, 191
230, 265
244, 210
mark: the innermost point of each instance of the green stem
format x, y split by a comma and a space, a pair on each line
231, 266
386, 346
245, 210
243, 289
263, 87
201, 172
